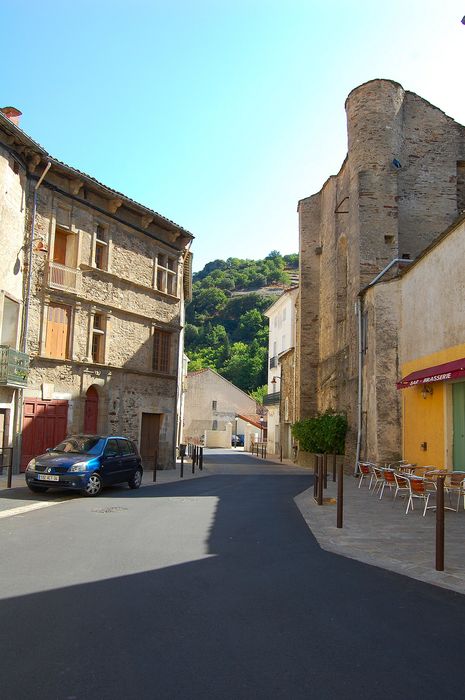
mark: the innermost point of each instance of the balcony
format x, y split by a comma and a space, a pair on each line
63, 277
14, 367
272, 399
273, 362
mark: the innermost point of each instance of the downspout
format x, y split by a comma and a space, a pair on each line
360, 352
358, 306
25, 325
31, 248
178, 401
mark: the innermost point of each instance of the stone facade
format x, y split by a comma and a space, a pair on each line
400, 184
108, 274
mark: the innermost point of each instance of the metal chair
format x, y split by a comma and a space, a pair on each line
365, 472
388, 480
420, 488
402, 485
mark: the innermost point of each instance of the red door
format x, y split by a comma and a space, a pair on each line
91, 411
45, 425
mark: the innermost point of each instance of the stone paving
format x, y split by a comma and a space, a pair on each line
378, 532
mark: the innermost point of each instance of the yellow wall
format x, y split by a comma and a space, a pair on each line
424, 420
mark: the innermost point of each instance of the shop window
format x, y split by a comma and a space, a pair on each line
58, 331
161, 351
166, 278
98, 338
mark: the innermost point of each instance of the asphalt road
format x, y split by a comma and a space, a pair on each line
212, 588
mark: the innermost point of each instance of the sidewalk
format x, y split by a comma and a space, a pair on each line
379, 533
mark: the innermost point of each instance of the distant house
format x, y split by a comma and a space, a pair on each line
214, 409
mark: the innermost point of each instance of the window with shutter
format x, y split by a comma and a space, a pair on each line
161, 351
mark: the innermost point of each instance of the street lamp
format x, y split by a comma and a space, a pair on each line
262, 420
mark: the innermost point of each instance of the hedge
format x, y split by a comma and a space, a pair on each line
326, 433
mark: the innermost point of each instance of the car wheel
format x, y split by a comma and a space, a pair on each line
94, 486
37, 489
135, 480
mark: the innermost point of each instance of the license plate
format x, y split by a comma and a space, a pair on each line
48, 477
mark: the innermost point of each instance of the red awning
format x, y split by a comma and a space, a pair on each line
438, 373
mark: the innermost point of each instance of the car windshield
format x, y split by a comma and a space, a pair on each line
80, 444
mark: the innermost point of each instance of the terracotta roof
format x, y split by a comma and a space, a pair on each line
253, 420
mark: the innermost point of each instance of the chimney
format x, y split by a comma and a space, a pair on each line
12, 113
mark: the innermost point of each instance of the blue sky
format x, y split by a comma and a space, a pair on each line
220, 115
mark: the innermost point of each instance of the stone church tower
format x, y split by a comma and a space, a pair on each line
401, 184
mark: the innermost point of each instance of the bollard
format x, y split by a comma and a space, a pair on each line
155, 465
325, 470
319, 498
10, 475
340, 494
315, 476
194, 455
440, 524
281, 453
334, 468
201, 458
182, 454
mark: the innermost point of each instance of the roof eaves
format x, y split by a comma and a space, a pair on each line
73, 171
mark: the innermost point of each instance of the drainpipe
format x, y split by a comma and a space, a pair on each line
18, 420
358, 308
31, 248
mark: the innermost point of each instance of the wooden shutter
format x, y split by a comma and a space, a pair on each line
57, 340
161, 351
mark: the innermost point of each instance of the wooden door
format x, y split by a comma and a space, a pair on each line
149, 438
44, 425
91, 411
58, 324
458, 400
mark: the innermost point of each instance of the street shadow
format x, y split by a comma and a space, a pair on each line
265, 614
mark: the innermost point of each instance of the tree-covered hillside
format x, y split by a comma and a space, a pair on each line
225, 326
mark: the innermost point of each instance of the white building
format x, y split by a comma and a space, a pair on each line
282, 324
215, 408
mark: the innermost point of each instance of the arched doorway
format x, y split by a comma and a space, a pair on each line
91, 411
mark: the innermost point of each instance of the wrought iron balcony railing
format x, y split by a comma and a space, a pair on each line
272, 399
63, 277
273, 361
14, 367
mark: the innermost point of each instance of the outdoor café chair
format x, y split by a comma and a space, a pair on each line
402, 485
365, 471
420, 488
455, 483
388, 480
378, 478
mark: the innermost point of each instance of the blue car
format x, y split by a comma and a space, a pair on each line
86, 463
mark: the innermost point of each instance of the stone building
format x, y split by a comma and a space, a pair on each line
402, 181
103, 305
